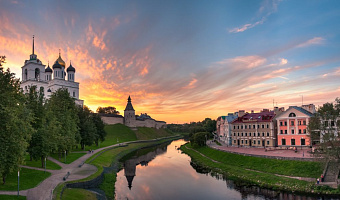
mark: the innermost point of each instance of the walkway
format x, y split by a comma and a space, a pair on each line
282, 153
45, 189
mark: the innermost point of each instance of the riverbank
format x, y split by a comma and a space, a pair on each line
107, 163
262, 172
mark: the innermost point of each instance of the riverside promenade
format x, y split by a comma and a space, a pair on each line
44, 190
288, 154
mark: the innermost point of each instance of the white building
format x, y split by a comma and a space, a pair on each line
47, 79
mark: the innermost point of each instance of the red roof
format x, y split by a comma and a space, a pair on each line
256, 117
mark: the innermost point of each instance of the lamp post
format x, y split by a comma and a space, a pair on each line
65, 156
45, 166
18, 181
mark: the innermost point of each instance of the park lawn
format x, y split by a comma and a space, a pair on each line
75, 194
274, 166
29, 178
116, 133
12, 197
69, 158
145, 133
37, 163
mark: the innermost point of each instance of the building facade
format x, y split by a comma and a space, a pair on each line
254, 129
223, 127
49, 79
292, 126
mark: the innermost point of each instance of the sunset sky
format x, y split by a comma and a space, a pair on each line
183, 60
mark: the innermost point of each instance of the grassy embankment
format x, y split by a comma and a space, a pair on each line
111, 157
261, 171
12, 197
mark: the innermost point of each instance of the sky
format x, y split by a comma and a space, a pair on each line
183, 60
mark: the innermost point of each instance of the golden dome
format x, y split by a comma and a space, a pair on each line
60, 60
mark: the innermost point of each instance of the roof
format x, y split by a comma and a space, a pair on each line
129, 105
256, 117
48, 69
298, 109
71, 68
56, 65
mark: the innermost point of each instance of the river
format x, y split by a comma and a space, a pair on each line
163, 172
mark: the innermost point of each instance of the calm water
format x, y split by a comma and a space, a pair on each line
163, 172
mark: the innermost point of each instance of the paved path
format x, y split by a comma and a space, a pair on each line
301, 154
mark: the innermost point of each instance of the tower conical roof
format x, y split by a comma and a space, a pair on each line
129, 105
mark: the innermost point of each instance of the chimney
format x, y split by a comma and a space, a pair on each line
241, 113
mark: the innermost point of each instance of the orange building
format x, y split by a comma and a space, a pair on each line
292, 126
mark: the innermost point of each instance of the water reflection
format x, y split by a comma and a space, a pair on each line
163, 172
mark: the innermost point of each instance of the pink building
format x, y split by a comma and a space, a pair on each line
292, 126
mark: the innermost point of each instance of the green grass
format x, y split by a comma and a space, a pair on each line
12, 197
283, 167
69, 158
29, 178
234, 171
108, 185
114, 132
75, 194
37, 163
145, 133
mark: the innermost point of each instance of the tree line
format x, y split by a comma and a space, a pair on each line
31, 123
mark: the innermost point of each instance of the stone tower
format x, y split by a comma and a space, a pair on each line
129, 115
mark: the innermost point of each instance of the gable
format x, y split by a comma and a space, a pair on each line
299, 112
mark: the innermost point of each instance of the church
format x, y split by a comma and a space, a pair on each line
49, 79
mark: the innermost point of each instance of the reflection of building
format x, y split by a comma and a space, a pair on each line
223, 127
131, 120
130, 165
255, 129
49, 80
292, 126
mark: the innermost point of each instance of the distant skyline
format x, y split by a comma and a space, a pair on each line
183, 61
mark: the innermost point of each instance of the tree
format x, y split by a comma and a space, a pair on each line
199, 139
107, 110
87, 128
15, 126
323, 128
2, 60
64, 111
101, 133
44, 123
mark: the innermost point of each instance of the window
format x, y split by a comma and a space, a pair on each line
25, 74
234, 134
267, 142
254, 126
283, 141
74, 94
281, 131
246, 141
292, 141
292, 123
37, 74
292, 131
303, 141
285, 131
258, 134
245, 126
254, 142
241, 141
234, 127
258, 126
267, 134
262, 134
304, 122
299, 122
267, 125
245, 134
300, 131
249, 126
304, 131
280, 123
241, 134
332, 123
238, 134
258, 141
262, 125
292, 115
235, 141
285, 123
254, 134
238, 127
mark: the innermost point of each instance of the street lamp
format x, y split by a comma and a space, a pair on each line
18, 181
45, 166
65, 156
